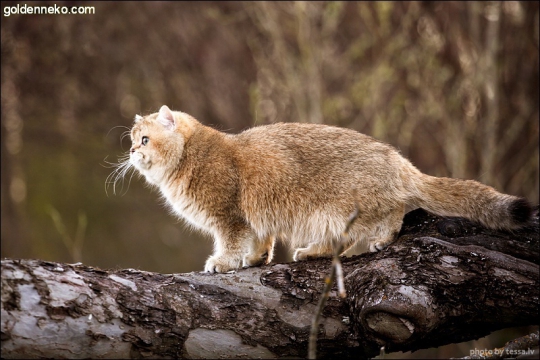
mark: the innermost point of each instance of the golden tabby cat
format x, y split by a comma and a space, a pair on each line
296, 181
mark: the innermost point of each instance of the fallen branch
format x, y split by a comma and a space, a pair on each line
444, 281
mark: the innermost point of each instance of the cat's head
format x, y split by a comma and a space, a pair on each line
158, 142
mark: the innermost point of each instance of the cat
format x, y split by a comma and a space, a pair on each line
299, 182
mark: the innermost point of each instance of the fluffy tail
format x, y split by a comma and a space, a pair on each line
472, 200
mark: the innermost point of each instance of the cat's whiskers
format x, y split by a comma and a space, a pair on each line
125, 134
121, 169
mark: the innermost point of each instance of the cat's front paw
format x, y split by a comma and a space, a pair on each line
300, 254
255, 259
312, 251
378, 245
222, 264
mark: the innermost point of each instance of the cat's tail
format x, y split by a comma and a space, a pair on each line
472, 200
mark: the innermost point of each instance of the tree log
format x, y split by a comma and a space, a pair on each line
443, 281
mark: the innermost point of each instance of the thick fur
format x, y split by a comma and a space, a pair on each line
296, 181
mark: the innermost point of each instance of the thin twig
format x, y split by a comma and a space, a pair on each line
335, 271
328, 280
336, 264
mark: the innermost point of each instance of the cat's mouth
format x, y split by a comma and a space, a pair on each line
138, 160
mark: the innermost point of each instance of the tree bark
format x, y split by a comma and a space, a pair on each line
443, 281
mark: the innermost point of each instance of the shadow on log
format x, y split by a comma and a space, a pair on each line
444, 281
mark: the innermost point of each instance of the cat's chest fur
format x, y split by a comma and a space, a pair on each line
185, 206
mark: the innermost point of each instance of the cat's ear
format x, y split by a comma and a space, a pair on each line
138, 118
166, 118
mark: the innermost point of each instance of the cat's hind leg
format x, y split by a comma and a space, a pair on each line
385, 232
379, 235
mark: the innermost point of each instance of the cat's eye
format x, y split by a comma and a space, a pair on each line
145, 140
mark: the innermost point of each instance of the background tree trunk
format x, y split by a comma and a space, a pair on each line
443, 281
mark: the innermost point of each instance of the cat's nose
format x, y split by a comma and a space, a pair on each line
132, 150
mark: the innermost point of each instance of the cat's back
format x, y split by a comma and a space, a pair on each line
312, 142
299, 132
314, 159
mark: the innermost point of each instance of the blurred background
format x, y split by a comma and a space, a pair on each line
453, 85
